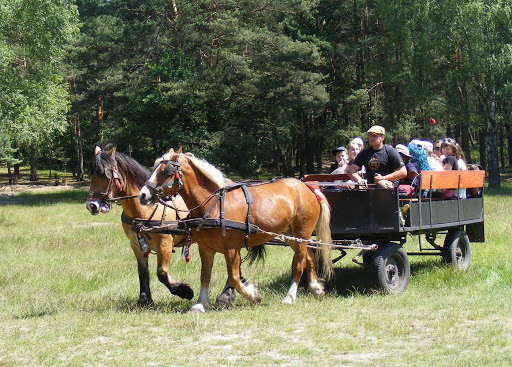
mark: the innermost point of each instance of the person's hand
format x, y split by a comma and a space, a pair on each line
377, 178
362, 183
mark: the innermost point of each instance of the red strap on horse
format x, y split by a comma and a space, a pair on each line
313, 190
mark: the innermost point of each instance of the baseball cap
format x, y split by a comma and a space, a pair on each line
339, 149
402, 149
377, 129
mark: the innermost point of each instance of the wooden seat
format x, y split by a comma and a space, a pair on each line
443, 180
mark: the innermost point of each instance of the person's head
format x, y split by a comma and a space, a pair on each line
404, 152
429, 147
437, 148
376, 135
353, 150
419, 154
449, 147
341, 154
359, 141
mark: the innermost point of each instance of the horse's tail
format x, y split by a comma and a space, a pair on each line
255, 254
323, 234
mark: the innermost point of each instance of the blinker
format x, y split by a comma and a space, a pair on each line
108, 173
169, 170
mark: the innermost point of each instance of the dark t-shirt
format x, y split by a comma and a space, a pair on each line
452, 161
383, 161
410, 168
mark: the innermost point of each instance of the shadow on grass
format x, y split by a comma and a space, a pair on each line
504, 190
348, 282
76, 196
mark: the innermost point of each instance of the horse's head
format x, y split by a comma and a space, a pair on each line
165, 180
106, 181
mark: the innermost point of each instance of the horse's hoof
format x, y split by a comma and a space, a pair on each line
317, 293
227, 296
197, 308
288, 300
183, 290
254, 294
144, 302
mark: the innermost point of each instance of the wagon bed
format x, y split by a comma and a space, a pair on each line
383, 217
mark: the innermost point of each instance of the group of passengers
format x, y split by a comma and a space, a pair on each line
387, 167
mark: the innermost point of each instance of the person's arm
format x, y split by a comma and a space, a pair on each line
352, 172
394, 176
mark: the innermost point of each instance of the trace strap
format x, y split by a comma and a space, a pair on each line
220, 196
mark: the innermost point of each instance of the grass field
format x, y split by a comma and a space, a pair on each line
68, 283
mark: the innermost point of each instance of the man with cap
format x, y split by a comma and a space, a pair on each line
384, 166
341, 155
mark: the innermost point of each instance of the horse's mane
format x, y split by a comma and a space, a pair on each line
125, 163
203, 166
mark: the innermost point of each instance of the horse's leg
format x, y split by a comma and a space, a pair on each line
298, 269
163, 255
228, 294
207, 257
315, 286
248, 291
144, 292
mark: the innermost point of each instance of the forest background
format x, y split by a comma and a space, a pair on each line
257, 87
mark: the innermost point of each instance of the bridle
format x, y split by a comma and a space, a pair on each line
115, 180
173, 172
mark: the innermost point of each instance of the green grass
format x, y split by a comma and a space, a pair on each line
68, 283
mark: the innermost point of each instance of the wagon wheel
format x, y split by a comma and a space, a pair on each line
456, 249
391, 268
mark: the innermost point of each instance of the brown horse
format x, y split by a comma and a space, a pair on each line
284, 206
118, 175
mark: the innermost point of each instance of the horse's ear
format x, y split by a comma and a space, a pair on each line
112, 152
171, 151
97, 150
179, 151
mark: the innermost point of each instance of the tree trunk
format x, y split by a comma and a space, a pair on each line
99, 119
33, 163
482, 149
72, 136
79, 151
490, 135
174, 10
16, 156
508, 131
502, 148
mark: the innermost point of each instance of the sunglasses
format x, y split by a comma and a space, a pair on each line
437, 148
449, 140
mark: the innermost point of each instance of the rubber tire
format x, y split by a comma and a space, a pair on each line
391, 268
457, 250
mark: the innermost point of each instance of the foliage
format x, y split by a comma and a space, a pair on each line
33, 96
260, 87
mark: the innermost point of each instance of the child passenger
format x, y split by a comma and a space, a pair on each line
453, 160
341, 156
